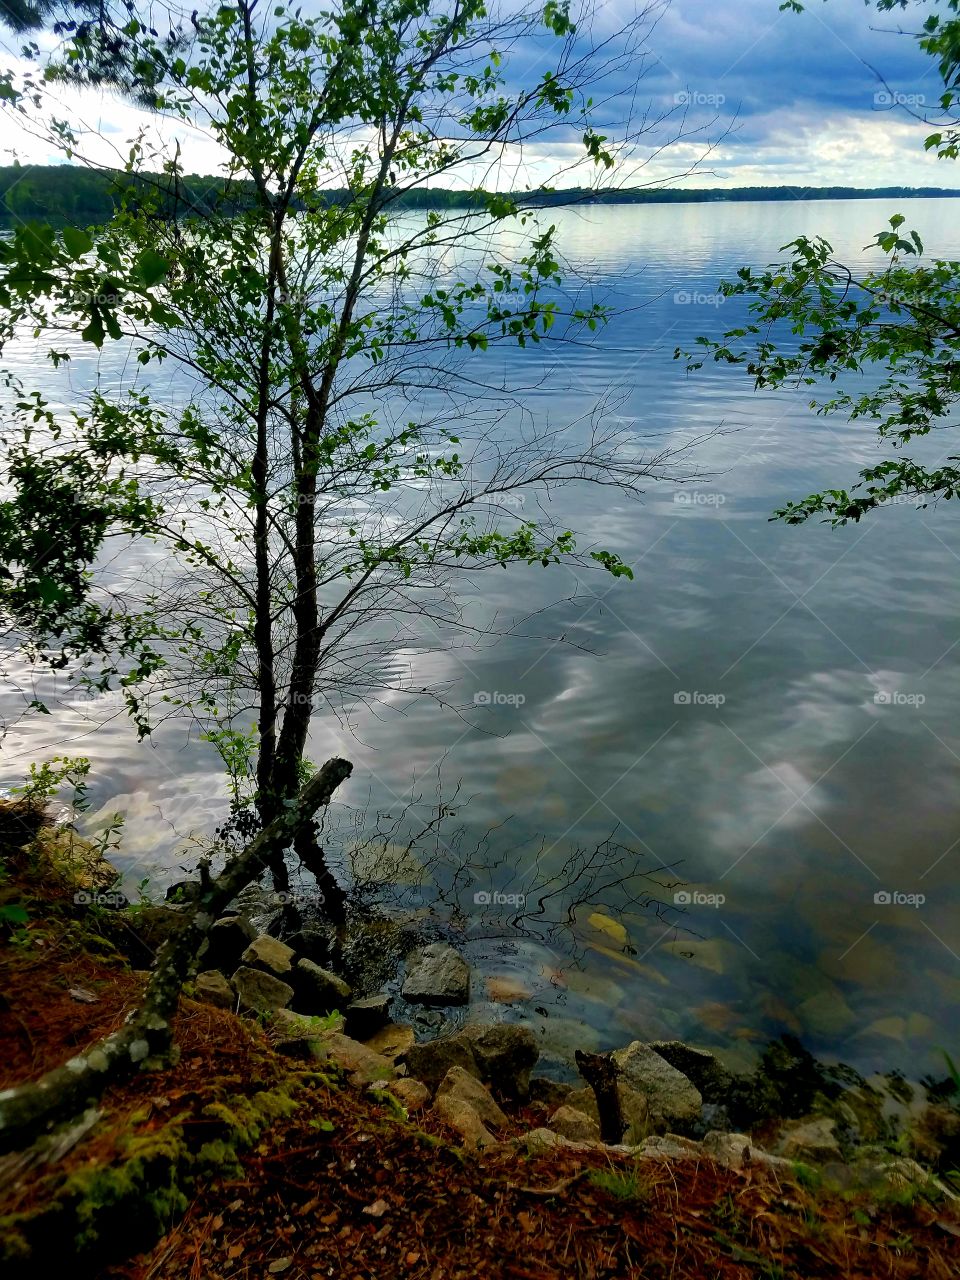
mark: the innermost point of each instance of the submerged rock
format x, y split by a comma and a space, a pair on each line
437, 974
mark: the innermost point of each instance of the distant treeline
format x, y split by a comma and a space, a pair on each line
69, 193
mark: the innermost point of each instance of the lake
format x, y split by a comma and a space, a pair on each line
766, 716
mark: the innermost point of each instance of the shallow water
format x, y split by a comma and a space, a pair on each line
720, 713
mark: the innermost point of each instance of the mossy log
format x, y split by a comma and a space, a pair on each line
29, 1110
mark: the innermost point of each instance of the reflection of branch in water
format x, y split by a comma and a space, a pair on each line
426, 861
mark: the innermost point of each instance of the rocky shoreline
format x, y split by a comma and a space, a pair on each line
675, 1100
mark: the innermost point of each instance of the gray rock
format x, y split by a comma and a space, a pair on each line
543, 1141
227, 940
505, 1055
732, 1150
462, 1118
318, 990
431, 1061
809, 1140
296, 1036
313, 942
437, 974
672, 1097
212, 987
458, 1083
268, 954
411, 1093
571, 1123
704, 1071
260, 992
361, 1065
365, 1017
670, 1146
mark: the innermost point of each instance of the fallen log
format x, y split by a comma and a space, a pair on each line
29, 1110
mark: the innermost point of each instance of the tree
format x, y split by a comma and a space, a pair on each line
898, 322
338, 470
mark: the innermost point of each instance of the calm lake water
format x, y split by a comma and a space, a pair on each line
769, 711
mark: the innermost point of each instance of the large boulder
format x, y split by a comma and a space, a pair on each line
318, 990
704, 1071
260, 992
227, 940
437, 974
505, 1055
672, 1098
458, 1083
270, 955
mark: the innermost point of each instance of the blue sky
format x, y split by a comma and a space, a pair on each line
787, 98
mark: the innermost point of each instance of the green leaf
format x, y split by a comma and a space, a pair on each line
76, 241
151, 267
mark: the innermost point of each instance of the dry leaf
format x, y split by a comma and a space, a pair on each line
377, 1209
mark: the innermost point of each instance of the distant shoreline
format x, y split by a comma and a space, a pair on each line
71, 194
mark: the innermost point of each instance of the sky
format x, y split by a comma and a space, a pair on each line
828, 97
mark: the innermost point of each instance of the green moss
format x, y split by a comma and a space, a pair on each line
245, 1118
386, 1098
